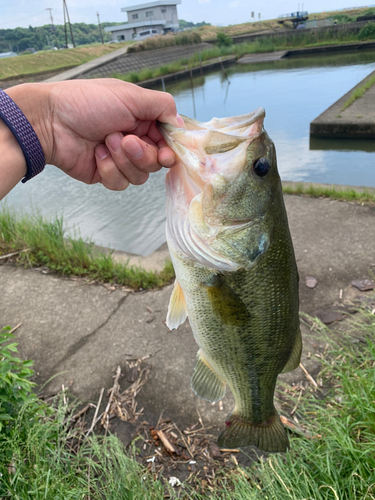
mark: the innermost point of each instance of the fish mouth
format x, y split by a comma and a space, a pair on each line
214, 147
210, 156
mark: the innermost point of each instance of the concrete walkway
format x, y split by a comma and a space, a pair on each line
82, 332
355, 122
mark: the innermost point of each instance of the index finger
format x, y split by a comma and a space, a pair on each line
151, 105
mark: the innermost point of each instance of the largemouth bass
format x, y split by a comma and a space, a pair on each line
236, 275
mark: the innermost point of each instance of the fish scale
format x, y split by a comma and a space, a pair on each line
236, 275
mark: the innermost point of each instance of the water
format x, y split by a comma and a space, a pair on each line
293, 92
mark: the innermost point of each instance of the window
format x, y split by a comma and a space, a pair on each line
135, 16
150, 13
163, 11
143, 33
121, 37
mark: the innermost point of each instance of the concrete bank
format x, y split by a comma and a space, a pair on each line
82, 332
121, 62
292, 34
308, 51
355, 122
186, 73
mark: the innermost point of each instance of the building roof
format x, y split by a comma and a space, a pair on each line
127, 26
157, 3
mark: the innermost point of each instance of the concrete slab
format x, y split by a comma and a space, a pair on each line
85, 68
356, 122
265, 57
81, 332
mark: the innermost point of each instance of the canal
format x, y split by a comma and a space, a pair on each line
293, 93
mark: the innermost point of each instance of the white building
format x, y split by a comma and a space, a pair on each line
147, 19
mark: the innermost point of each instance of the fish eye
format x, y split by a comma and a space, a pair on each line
261, 167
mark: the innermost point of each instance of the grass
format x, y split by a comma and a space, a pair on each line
43, 467
345, 194
338, 463
359, 92
46, 61
41, 242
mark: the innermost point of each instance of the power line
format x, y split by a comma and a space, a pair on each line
22, 19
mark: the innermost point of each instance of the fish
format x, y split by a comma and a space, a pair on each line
236, 273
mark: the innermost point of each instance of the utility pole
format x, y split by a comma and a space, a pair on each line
70, 26
52, 26
66, 33
100, 27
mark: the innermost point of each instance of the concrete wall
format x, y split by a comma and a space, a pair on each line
128, 33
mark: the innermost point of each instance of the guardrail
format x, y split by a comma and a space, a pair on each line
293, 15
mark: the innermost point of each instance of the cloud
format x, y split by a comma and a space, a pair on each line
204, 1
234, 5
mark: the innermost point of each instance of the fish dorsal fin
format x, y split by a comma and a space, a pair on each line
177, 308
295, 357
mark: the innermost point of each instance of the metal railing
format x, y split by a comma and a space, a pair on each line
293, 15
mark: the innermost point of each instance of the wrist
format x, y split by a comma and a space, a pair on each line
34, 101
12, 161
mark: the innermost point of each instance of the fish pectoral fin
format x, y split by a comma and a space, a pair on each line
295, 358
205, 382
226, 304
177, 308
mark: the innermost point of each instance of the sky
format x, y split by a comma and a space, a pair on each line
218, 12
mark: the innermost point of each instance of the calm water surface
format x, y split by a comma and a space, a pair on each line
293, 92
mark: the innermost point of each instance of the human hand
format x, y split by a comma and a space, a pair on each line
101, 130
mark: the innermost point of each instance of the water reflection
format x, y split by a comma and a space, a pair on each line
342, 144
293, 92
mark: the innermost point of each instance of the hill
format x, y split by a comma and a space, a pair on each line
43, 37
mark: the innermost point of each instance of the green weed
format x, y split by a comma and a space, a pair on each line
345, 194
44, 242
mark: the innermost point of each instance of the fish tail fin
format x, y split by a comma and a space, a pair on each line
268, 436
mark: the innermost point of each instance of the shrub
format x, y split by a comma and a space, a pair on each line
224, 40
367, 31
156, 42
15, 384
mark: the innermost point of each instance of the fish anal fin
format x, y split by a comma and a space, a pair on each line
295, 357
205, 382
268, 436
177, 308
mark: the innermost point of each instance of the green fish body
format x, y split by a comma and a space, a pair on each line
236, 275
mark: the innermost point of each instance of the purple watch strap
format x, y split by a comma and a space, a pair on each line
26, 137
